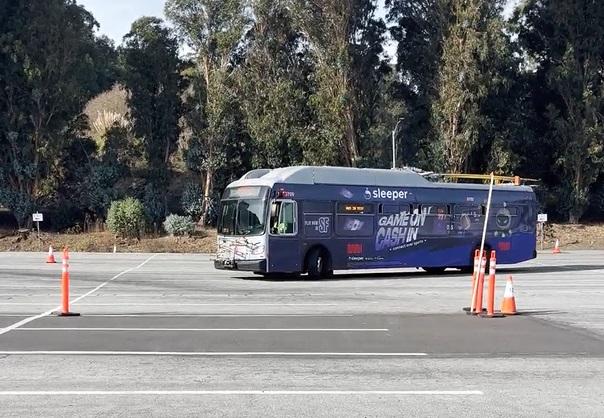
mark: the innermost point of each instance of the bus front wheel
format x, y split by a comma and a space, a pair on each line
317, 264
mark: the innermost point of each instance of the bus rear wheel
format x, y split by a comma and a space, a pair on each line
317, 264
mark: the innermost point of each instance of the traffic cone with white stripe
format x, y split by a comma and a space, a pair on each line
491, 289
51, 257
508, 306
556, 249
65, 288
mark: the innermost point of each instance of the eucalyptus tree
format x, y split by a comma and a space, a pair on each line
213, 31
564, 41
51, 64
345, 38
419, 28
474, 45
151, 75
275, 85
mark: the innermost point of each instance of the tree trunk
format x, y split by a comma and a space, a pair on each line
351, 139
207, 188
573, 217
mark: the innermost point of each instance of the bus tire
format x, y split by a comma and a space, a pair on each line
317, 264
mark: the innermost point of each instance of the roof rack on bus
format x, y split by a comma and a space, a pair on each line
515, 180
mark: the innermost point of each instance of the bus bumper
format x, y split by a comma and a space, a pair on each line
243, 265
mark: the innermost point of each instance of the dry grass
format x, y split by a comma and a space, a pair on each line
104, 242
574, 237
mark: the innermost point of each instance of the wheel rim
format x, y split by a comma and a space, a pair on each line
320, 264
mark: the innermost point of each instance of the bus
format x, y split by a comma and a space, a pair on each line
314, 220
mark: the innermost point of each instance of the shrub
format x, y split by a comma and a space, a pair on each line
126, 218
154, 205
192, 200
179, 225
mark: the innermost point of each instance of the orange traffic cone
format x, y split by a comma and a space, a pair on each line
51, 257
556, 249
65, 288
508, 306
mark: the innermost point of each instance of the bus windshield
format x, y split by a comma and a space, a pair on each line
242, 217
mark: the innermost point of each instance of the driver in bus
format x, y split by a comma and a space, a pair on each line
247, 218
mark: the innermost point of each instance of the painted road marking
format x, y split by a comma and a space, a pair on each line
155, 315
237, 392
33, 318
212, 329
211, 353
20, 286
206, 304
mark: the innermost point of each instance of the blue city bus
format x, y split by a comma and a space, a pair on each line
314, 220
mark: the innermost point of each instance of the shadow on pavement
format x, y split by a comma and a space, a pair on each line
551, 269
418, 274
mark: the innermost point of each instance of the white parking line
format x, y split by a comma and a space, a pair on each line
211, 353
161, 315
57, 286
237, 392
211, 329
204, 304
33, 318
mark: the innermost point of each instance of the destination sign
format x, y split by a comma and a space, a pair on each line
355, 208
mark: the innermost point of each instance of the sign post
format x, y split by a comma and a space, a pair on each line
37, 218
475, 291
541, 220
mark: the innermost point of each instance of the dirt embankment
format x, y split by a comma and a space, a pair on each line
571, 237
204, 242
574, 237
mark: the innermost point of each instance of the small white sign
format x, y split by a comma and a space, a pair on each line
542, 217
38, 217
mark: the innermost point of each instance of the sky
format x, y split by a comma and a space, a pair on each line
116, 16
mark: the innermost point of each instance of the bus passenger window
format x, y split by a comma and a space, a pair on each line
387, 209
283, 218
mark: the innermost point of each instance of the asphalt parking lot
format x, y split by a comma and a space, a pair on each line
166, 335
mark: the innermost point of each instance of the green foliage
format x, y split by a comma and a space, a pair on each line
469, 74
346, 40
419, 29
192, 200
269, 83
275, 87
179, 225
51, 64
126, 218
155, 205
565, 41
151, 75
216, 139
21, 204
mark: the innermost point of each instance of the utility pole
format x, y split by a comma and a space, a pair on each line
394, 143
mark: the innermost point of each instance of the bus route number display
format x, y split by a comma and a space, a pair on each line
355, 208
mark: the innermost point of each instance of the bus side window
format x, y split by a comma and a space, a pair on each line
503, 218
283, 218
386, 209
437, 219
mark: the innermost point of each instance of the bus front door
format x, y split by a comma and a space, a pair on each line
284, 240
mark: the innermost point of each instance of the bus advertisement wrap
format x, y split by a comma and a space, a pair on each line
302, 218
